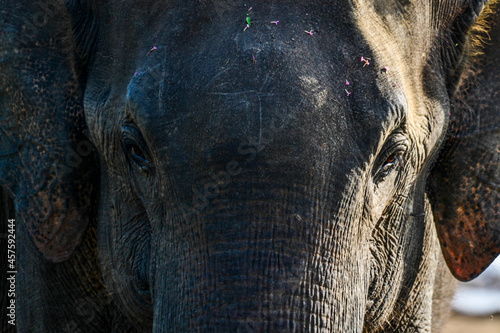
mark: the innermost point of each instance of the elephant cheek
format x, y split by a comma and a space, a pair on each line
124, 242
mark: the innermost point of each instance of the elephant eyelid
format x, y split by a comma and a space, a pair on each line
389, 159
136, 153
135, 148
390, 164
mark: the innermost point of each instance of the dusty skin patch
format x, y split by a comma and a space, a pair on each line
390, 33
319, 94
386, 32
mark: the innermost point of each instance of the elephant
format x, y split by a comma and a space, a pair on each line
227, 166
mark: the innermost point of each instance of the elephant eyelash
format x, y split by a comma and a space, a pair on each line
136, 153
134, 150
390, 159
390, 163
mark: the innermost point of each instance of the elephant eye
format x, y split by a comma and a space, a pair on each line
390, 163
137, 154
390, 159
134, 147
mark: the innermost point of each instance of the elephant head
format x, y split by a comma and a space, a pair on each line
280, 167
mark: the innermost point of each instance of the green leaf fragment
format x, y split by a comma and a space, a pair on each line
249, 22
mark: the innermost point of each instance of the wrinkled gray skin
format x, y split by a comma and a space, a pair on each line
243, 180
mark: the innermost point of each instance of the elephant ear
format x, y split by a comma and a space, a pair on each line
465, 182
46, 162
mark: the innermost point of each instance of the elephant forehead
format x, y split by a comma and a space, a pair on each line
291, 109
240, 84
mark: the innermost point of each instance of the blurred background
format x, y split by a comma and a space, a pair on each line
476, 305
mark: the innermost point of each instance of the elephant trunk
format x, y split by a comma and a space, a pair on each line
257, 267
